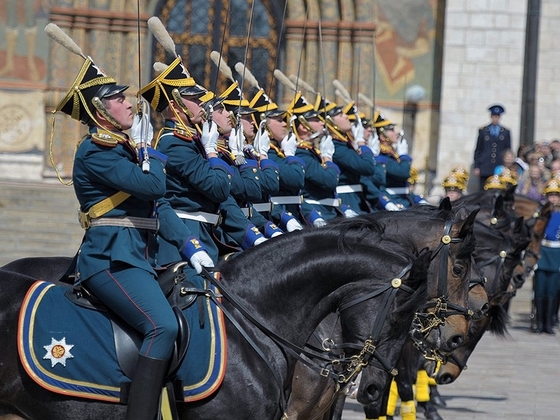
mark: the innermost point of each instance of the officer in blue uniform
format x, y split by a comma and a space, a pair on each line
316, 149
283, 144
493, 139
197, 180
352, 155
547, 275
119, 189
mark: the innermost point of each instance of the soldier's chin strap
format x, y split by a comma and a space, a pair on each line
98, 104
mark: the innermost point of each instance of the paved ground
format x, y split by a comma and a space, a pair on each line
517, 378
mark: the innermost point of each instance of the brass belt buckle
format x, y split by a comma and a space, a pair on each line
84, 219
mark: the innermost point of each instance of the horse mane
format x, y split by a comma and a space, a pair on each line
358, 228
499, 320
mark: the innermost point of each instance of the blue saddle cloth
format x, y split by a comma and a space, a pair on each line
70, 350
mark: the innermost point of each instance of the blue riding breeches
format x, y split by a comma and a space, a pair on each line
135, 296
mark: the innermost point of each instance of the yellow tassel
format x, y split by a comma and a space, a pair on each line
165, 406
432, 381
408, 410
422, 388
393, 398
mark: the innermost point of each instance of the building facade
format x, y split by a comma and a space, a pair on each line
431, 66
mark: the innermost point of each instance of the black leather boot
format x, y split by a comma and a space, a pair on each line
145, 390
430, 411
548, 312
435, 398
539, 315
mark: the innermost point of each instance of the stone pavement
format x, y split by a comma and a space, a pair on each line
514, 378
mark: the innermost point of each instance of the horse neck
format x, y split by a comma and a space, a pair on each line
298, 283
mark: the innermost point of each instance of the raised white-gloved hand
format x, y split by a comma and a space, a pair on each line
402, 147
259, 241
142, 130
289, 144
209, 136
201, 259
236, 142
374, 144
358, 134
326, 146
391, 207
262, 141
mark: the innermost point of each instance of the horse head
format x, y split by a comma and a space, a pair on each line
441, 324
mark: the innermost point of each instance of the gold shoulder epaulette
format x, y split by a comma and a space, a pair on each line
105, 139
184, 134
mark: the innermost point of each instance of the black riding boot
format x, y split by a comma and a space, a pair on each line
430, 411
539, 307
435, 398
145, 390
548, 312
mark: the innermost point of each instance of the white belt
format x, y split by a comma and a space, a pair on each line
199, 216
345, 189
397, 190
131, 222
331, 202
287, 199
264, 207
550, 244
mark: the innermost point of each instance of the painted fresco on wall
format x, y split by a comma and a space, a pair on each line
404, 46
23, 58
21, 54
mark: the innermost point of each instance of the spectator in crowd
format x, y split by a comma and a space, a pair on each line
508, 162
533, 186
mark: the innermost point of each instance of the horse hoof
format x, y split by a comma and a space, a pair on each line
430, 413
537, 330
549, 331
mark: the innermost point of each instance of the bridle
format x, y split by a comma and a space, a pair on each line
424, 320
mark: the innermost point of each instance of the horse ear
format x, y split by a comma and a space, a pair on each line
499, 204
466, 225
519, 225
445, 204
510, 193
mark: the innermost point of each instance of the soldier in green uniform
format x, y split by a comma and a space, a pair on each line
119, 187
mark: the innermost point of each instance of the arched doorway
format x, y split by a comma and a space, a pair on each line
200, 26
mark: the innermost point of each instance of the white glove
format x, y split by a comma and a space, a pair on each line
358, 134
209, 137
373, 143
289, 144
391, 207
292, 225
201, 259
259, 241
350, 213
262, 141
275, 234
402, 147
142, 130
319, 222
326, 146
236, 142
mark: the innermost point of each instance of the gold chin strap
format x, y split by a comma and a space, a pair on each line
98, 104
179, 100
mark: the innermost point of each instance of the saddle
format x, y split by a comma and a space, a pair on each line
180, 293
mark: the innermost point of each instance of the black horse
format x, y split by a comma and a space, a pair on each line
289, 285
422, 227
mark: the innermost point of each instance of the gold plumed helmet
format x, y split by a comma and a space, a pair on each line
495, 182
460, 172
552, 186
452, 182
507, 177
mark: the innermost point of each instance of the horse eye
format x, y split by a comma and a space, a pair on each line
457, 270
